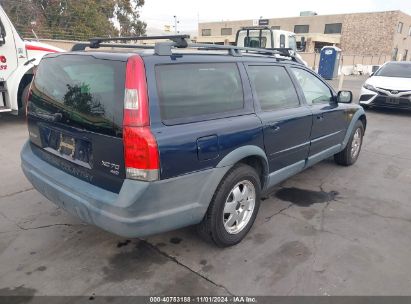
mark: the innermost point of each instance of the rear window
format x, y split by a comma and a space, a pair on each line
402, 70
198, 91
87, 91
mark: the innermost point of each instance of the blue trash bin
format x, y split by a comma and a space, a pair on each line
329, 62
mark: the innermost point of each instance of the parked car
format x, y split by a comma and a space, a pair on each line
389, 87
142, 142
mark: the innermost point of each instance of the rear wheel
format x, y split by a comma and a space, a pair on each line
350, 154
233, 208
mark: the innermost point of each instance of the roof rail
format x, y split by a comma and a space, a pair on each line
182, 41
97, 42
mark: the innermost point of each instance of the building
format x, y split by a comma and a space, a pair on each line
376, 34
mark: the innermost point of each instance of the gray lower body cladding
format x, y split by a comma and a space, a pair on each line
140, 209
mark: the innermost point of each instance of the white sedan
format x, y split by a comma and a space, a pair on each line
389, 86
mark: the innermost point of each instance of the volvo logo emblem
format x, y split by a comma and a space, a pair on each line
394, 92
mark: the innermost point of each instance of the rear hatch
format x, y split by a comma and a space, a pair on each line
75, 116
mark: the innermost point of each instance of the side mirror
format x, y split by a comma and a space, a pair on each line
344, 97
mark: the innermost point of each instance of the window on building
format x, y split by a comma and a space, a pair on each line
409, 31
405, 56
226, 31
206, 32
318, 45
276, 27
400, 26
301, 29
394, 54
333, 28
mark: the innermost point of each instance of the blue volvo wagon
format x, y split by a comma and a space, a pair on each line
140, 140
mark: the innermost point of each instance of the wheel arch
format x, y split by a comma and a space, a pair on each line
363, 119
358, 116
17, 82
24, 81
253, 156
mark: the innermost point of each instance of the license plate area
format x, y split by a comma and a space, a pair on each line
393, 101
65, 145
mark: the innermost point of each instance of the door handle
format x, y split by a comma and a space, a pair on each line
275, 127
320, 117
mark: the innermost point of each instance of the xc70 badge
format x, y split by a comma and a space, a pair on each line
114, 168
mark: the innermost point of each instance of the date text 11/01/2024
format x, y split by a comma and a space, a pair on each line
200, 299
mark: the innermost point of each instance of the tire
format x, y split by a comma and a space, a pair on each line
24, 95
231, 215
349, 155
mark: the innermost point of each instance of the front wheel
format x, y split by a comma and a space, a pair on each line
233, 208
350, 154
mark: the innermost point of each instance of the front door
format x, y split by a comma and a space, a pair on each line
286, 122
329, 119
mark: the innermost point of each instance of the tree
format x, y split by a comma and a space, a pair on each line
127, 15
76, 20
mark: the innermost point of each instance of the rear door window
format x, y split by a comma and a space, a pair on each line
273, 87
194, 92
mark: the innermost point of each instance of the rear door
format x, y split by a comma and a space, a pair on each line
329, 118
286, 121
75, 116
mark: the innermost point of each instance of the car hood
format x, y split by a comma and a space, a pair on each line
390, 83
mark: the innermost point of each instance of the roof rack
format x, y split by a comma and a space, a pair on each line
237, 50
182, 41
97, 42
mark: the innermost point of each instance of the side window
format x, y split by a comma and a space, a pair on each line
273, 87
315, 91
188, 91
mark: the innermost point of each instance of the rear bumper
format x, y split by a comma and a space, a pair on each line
140, 209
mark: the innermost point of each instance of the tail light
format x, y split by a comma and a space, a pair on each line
140, 147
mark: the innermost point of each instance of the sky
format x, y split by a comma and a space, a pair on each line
158, 13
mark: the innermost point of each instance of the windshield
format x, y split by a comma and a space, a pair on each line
402, 70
